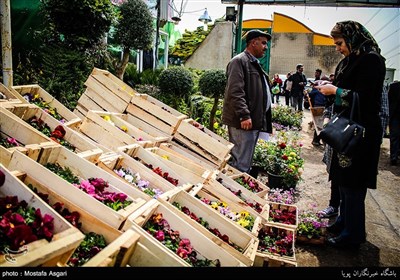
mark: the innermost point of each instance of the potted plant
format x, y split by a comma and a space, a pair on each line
281, 160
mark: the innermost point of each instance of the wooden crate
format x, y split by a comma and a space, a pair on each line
237, 235
34, 89
287, 207
156, 133
119, 248
112, 162
174, 170
264, 189
9, 96
104, 92
261, 260
155, 113
204, 142
84, 170
272, 255
229, 170
185, 153
33, 143
40, 252
84, 147
203, 245
110, 134
207, 192
184, 162
227, 187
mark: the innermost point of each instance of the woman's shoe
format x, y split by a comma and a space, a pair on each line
328, 212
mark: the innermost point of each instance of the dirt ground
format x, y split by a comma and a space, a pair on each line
382, 248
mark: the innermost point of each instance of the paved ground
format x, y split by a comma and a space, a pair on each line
382, 248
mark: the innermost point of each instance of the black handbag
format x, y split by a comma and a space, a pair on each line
343, 134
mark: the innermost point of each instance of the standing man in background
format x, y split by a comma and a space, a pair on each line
247, 100
299, 81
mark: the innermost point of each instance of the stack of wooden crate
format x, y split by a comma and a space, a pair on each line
110, 118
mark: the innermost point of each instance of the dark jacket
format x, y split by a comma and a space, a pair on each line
363, 74
246, 94
297, 89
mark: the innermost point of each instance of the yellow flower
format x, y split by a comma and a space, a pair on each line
244, 214
214, 205
124, 128
243, 222
107, 118
165, 156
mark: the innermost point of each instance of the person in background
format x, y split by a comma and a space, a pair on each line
287, 87
317, 74
299, 81
247, 100
276, 83
362, 70
394, 121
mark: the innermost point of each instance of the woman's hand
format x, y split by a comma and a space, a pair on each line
327, 89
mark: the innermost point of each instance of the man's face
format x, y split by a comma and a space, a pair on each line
260, 45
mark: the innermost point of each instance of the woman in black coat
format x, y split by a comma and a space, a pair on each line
362, 70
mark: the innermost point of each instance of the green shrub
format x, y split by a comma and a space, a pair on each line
176, 82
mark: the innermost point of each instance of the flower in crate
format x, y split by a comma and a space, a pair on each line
39, 101
91, 245
276, 241
243, 218
160, 229
96, 187
249, 183
57, 135
9, 142
163, 174
311, 225
134, 179
253, 204
21, 224
283, 216
204, 223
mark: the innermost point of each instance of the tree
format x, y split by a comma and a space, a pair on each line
134, 30
212, 84
79, 24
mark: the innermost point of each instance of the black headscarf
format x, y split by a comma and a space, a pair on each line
356, 36
358, 40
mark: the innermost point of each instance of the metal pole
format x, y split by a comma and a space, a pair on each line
6, 50
238, 47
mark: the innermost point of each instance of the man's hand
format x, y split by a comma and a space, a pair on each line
246, 124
